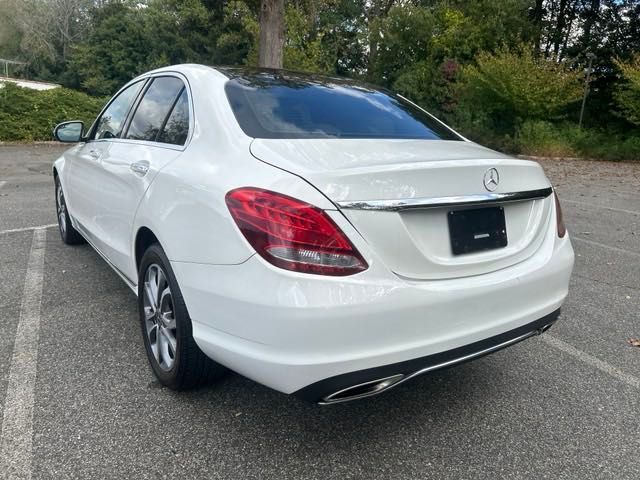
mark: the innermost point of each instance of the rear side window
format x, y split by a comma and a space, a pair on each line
176, 129
154, 108
111, 121
269, 106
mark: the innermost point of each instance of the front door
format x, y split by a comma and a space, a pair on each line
83, 165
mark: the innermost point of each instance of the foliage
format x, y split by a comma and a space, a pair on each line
507, 73
238, 39
539, 137
31, 114
303, 49
627, 95
515, 85
567, 140
114, 52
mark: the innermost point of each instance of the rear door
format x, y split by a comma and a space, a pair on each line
155, 135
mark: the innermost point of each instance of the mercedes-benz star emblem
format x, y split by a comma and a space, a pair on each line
491, 179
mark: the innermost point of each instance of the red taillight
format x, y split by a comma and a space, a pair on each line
292, 234
562, 230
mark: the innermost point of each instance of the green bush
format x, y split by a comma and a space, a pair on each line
28, 115
627, 95
542, 138
546, 139
511, 86
603, 145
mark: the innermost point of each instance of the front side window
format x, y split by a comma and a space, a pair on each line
111, 121
287, 105
176, 129
154, 108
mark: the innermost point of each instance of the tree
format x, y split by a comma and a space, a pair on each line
627, 95
512, 86
117, 49
271, 33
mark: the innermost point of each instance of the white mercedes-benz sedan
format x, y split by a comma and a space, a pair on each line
318, 235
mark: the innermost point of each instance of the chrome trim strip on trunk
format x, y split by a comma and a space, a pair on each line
440, 202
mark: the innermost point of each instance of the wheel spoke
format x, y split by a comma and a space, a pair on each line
153, 284
163, 349
168, 347
150, 298
161, 285
153, 340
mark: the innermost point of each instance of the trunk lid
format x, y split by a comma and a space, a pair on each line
415, 243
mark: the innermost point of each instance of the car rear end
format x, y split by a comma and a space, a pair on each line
433, 250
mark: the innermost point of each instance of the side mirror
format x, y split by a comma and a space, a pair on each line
69, 132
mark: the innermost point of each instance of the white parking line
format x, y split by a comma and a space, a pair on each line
586, 204
28, 229
591, 360
17, 422
604, 245
2, 183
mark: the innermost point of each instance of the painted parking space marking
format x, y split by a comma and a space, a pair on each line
28, 229
17, 422
604, 245
613, 209
592, 361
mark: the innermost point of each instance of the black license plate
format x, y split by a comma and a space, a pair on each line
477, 229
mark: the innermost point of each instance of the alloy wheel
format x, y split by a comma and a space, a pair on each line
62, 210
159, 315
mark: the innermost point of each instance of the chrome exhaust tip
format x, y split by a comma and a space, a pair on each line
544, 328
362, 390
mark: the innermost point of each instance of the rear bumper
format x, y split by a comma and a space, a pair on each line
292, 331
373, 381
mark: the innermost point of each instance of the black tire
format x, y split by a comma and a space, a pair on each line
69, 235
190, 367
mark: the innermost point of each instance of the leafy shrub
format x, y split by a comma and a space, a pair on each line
511, 86
605, 145
567, 140
627, 95
545, 139
27, 115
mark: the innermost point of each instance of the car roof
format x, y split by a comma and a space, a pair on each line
290, 78
270, 76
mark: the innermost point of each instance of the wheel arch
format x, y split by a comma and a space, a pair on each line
144, 239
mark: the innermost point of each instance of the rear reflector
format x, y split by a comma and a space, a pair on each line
293, 235
562, 230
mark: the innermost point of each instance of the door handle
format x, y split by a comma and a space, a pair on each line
141, 168
94, 154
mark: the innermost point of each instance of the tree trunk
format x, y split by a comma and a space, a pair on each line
538, 13
572, 17
271, 33
560, 26
592, 15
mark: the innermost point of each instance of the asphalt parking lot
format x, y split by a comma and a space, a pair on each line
563, 405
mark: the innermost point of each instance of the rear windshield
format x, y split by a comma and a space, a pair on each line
270, 106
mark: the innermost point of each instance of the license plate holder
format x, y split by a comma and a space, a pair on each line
477, 229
